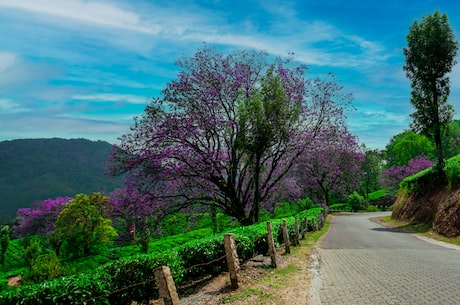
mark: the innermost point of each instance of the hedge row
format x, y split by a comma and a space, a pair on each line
131, 278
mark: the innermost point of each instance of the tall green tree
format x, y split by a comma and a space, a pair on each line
371, 169
83, 224
430, 56
451, 139
406, 146
265, 119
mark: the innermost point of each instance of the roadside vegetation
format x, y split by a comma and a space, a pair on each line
236, 140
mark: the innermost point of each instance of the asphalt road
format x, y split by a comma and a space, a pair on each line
362, 262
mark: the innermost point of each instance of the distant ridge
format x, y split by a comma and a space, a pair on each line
37, 169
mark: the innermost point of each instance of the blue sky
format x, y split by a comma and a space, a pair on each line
84, 69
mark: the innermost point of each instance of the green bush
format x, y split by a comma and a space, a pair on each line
340, 207
377, 194
357, 202
372, 208
44, 267
453, 171
287, 209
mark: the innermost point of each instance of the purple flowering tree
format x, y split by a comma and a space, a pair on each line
332, 166
41, 218
136, 215
226, 133
392, 177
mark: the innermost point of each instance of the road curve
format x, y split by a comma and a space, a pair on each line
360, 262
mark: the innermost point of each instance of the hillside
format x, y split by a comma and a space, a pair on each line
37, 169
426, 199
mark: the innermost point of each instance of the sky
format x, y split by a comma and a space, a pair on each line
85, 68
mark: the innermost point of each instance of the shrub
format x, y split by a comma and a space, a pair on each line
340, 207
453, 171
44, 267
372, 208
357, 202
377, 194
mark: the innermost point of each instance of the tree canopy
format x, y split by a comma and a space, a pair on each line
407, 145
83, 224
430, 56
227, 132
331, 166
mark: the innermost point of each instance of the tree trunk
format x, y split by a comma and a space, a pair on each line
437, 131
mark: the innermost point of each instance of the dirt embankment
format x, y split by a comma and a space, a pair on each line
433, 204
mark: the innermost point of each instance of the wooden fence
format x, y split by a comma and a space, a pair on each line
165, 283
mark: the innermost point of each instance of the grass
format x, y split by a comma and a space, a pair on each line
422, 229
244, 294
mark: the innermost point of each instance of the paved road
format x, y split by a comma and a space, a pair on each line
362, 263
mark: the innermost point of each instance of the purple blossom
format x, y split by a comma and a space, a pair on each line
190, 149
41, 218
392, 177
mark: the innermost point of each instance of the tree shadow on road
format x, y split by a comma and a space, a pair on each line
400, 228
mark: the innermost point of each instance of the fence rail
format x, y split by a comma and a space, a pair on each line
164, 281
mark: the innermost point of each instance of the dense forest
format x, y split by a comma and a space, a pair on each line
37, 169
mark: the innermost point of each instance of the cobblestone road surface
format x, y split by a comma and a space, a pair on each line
362, 263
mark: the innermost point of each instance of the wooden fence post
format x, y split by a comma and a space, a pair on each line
286, 237
295, 242
232, 259
166, 286
304, 227
271, 244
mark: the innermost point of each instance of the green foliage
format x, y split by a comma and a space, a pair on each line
287, 209
32, 249
44, 267
357, 202
410, 183
453, 171
82, 225
131, 278
377, 194
371, 168
451, 139
430, 56
340, 207
406, 146
142, 237
372, 208
174, 224
13, 256
4, 242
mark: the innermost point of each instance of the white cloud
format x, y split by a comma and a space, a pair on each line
7, 60
90, 12
8, 106
110, 97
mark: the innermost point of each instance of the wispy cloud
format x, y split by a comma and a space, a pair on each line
89, 64
107, 97
8, 106
96, 13
7, 60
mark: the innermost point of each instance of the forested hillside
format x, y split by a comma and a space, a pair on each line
37, 169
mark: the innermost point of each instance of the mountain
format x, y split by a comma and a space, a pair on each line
38, 169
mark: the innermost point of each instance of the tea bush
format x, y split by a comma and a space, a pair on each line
107, 284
